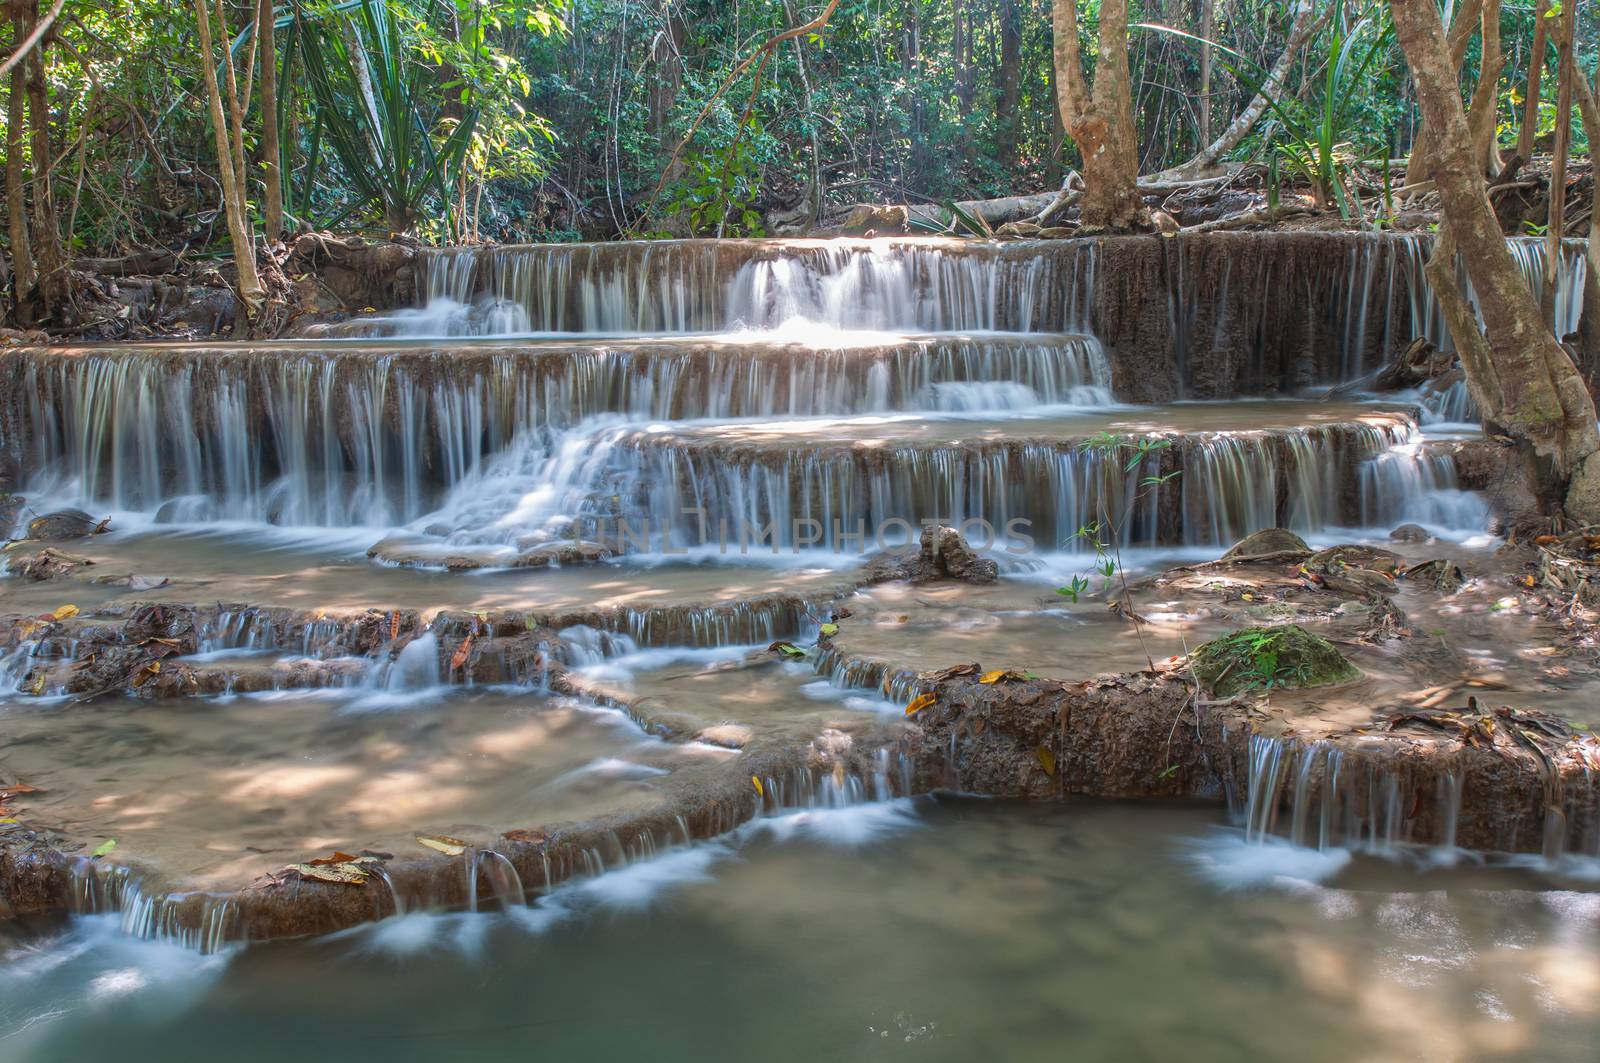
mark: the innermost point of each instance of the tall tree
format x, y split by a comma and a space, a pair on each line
271, 152
22, 271
1100, 117
229, 149
1523, 380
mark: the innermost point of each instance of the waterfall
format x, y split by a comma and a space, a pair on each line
360, 437
1408, 483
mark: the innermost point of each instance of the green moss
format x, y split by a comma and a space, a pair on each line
1266, 657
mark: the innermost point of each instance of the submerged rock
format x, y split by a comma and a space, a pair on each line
1441, 575
1410, 533
1287, 656
942, 554
44, 564
63, 525
1267, 541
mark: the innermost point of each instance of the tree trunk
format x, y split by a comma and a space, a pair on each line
1556, 220
1010, 120
1420, 164
1523, 379
250, 293
1208, 11
1589, 319
49, 257
1486, 96
22, 271
271, 153
1100, 119
1530, 104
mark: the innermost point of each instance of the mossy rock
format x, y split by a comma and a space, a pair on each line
1267, 657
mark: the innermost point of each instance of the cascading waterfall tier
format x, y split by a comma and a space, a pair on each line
1200, 316
372, 436
745, 488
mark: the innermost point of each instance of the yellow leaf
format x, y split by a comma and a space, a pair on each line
998, 675
443, 843
920, 702
65, 612
756, 782
830, 629
1047, 760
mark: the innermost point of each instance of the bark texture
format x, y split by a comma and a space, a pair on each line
1524, 381
1100, 118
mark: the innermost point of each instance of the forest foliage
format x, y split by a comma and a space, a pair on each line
556, 119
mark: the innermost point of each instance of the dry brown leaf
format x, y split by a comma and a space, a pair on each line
463, 651
336, 858
394, 625
529, 837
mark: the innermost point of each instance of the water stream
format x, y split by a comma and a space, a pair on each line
670, 401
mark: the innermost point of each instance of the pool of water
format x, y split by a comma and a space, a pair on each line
927, 930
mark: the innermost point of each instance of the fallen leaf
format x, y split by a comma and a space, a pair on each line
829, 629
18, 788
394, 625
336, 858
756, 782
145, 674
1000, 674
343, 874
920, 702
105, 847
463, 651
1047, 760
443, 843
64, 612
788, 649
530, 837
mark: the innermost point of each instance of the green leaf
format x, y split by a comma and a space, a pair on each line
104, 847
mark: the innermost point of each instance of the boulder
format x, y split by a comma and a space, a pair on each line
1268, 541
942, 554
1410, 533
63, 525
1268, 657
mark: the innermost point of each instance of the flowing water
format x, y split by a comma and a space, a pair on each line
737, 424
928, 931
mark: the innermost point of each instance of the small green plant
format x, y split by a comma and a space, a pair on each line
1267, 657
1119, 455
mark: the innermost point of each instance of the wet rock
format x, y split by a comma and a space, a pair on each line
954, 556
1443, 576
1371, 558
1410, 533
63, 526
1287, 656
48, 563
563, 553
728, 735
10, 510
1022, 229
1268, 541
942, 554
